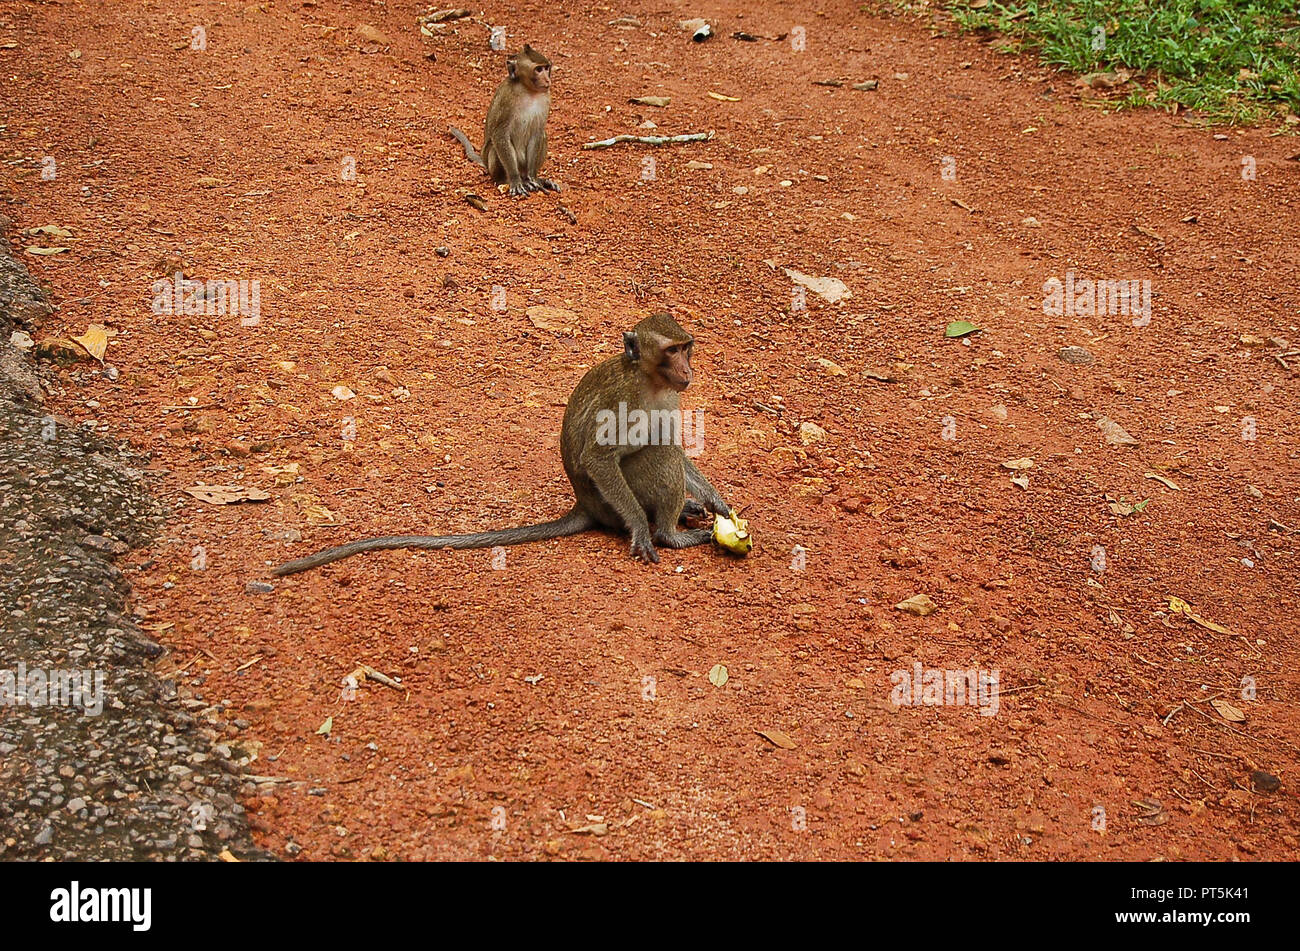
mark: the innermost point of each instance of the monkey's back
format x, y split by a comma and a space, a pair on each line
587, 400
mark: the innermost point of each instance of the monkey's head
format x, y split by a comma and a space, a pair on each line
662, 349
532, 69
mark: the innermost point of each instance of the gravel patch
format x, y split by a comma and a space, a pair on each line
110, 764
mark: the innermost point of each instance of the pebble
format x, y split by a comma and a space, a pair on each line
1077, 355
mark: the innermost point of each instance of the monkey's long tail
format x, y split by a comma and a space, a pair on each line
571, 524
470, 152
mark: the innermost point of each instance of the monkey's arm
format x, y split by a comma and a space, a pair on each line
702, 489
505, 154
606, 475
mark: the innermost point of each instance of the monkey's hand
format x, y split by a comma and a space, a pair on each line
643, 549
717, 505
695, 515
519, 188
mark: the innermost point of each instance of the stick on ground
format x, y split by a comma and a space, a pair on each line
651, 139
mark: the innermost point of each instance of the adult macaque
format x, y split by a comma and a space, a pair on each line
514, 136
623, 478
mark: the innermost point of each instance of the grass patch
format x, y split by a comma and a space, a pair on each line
1230, 60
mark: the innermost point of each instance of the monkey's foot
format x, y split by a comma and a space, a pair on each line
645, 551
548, 185
687, 539
518, 188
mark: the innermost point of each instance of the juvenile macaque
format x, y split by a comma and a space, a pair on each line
621, 484
514, 136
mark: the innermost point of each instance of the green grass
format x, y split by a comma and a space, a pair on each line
1230, 60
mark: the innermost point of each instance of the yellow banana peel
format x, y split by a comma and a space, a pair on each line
732, 534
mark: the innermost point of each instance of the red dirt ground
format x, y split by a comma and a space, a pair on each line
227, 162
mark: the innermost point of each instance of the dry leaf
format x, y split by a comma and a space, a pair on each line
1024, 462
341, 392
36, 250
830, 288
1179, 606
831, 368
1228, 711
1162, 480
1021, 480
227, 494
95, 340
659, 101
1115, 434
61, 349
1153, 812
777, 738
721, 98
313, 512
718, 675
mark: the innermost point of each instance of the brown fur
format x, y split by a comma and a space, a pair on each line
617, 486
514, 134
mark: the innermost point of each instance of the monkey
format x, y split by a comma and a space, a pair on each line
514, 135
621, 480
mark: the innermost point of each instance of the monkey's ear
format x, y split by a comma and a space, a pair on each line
528, 49
510, 67
631, 346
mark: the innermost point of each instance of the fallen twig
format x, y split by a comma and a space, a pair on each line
371, 674
651, 139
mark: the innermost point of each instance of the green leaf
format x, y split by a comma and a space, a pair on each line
960, 328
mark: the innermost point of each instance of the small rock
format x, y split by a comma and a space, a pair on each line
810, 433
1265, 782
259, 587
919, 605
102, 543
1077, 355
